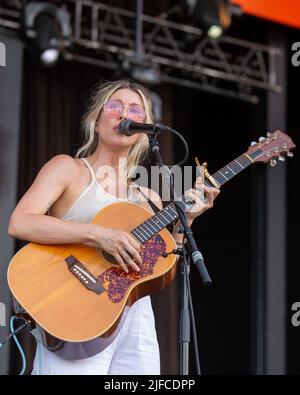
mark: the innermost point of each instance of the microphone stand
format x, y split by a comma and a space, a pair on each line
190, 252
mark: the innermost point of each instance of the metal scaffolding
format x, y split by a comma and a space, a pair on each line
124, 40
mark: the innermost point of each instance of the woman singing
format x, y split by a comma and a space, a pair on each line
60, 204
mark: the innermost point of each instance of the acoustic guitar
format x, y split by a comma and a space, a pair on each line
78, 293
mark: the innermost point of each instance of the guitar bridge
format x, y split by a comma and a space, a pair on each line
84, 275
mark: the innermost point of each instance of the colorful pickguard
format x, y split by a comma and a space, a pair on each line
116, 281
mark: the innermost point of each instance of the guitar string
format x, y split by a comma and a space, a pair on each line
243, 163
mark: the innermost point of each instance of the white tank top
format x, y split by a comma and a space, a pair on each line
93, 198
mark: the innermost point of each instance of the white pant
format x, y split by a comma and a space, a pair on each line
134, 351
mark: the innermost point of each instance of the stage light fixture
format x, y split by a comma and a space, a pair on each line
213, 16
48, 27
148, 75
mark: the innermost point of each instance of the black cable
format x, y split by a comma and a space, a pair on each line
186, 148
27, 325
187, 152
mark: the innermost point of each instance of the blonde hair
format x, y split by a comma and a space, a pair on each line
100, 95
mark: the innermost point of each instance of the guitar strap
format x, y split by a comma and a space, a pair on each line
154, 207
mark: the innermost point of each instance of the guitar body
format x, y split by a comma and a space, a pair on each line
50, 281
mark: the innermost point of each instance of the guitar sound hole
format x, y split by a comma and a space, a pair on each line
109, 258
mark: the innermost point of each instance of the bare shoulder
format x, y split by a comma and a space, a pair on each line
151, 194
58, 172
52, 181
62, 161
61, 166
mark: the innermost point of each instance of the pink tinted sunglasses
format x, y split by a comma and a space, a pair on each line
114, 109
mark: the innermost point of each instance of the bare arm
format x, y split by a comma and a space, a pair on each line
45, 229
29, 222
203, 197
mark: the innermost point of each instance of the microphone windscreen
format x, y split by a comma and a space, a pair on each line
124, 126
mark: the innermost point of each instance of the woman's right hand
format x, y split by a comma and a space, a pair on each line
121, 245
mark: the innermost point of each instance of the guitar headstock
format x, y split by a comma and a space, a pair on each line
268, 149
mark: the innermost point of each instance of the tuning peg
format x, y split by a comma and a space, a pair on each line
281, 158
290, 154
253, 143
273, 163
261, 139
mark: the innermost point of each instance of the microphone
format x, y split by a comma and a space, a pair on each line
199, 262
129, 127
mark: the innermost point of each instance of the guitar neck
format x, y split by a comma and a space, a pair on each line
168, 215
232, 169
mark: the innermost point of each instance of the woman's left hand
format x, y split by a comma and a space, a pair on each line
203, 197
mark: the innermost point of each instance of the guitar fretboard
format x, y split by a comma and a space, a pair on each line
168, 215
159, 221
233, 168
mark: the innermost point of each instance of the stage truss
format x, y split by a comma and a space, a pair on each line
180, 54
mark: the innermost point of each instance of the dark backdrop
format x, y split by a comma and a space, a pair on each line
293, 269
217, 130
